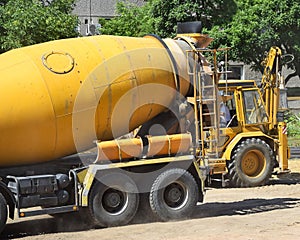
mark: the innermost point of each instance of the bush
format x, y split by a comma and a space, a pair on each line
293, 124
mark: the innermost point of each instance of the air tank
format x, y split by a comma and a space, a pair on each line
60, 96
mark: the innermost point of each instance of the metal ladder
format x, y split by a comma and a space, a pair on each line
205, 94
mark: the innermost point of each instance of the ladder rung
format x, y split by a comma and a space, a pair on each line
209, 141
208, 114
212, 153
192, 99
206, 72
215, 155
207, 100
211, 127
208, 86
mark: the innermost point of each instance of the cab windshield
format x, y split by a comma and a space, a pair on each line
254, 108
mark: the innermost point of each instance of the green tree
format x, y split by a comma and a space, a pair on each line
132, 20
249, 27
210, 12
27, 22
161, 17
258, 25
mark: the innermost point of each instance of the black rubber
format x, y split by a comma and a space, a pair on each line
236, 176
183, 208
3, 212
121, 187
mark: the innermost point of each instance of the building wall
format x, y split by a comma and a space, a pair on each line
293, 90
242, 71
89, 12
239, 70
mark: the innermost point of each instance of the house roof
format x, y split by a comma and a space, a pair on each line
102, 8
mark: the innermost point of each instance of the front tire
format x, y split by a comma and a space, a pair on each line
174, 194
3, 212
251, 165
113, 200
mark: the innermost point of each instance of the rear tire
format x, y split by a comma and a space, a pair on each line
113, 200
251, 165
3, 212
174, 194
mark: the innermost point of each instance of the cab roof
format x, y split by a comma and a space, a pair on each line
233, 84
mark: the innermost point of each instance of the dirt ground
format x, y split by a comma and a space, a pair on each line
269, 212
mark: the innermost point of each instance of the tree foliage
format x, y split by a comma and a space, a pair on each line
132, 20
249, 27
26, 22
161, 17
168, 13
258, 25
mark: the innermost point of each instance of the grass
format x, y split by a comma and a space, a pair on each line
293, 127
294, 141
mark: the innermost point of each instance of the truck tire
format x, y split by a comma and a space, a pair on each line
3, 212
174, 194
113, 200
251, 165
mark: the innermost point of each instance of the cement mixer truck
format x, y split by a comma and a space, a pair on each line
150, 107
68, 96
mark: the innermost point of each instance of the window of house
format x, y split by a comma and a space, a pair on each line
236, 72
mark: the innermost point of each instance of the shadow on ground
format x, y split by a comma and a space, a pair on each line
291, 178
247, 206
286, 178
74, 223
38, 226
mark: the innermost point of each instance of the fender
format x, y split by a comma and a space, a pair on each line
238, 138
93, 169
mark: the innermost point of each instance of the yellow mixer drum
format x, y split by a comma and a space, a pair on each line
60, 96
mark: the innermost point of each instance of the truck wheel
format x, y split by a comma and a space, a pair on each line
3, 212
113, 200
252, 164
174, 194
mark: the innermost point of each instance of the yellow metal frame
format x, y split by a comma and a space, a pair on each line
238, 138
283, 149
94, 168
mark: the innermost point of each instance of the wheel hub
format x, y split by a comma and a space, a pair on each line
113, 201
253, 163
175, 195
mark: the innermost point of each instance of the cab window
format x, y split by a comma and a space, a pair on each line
254, 108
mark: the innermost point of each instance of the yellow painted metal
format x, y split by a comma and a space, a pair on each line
95, 168
217, 165
119, 149
81, 175
231, 85
87, 183
198, 40
283, 149
58, 97
253, 163
169, 144
238, 138
271, 84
